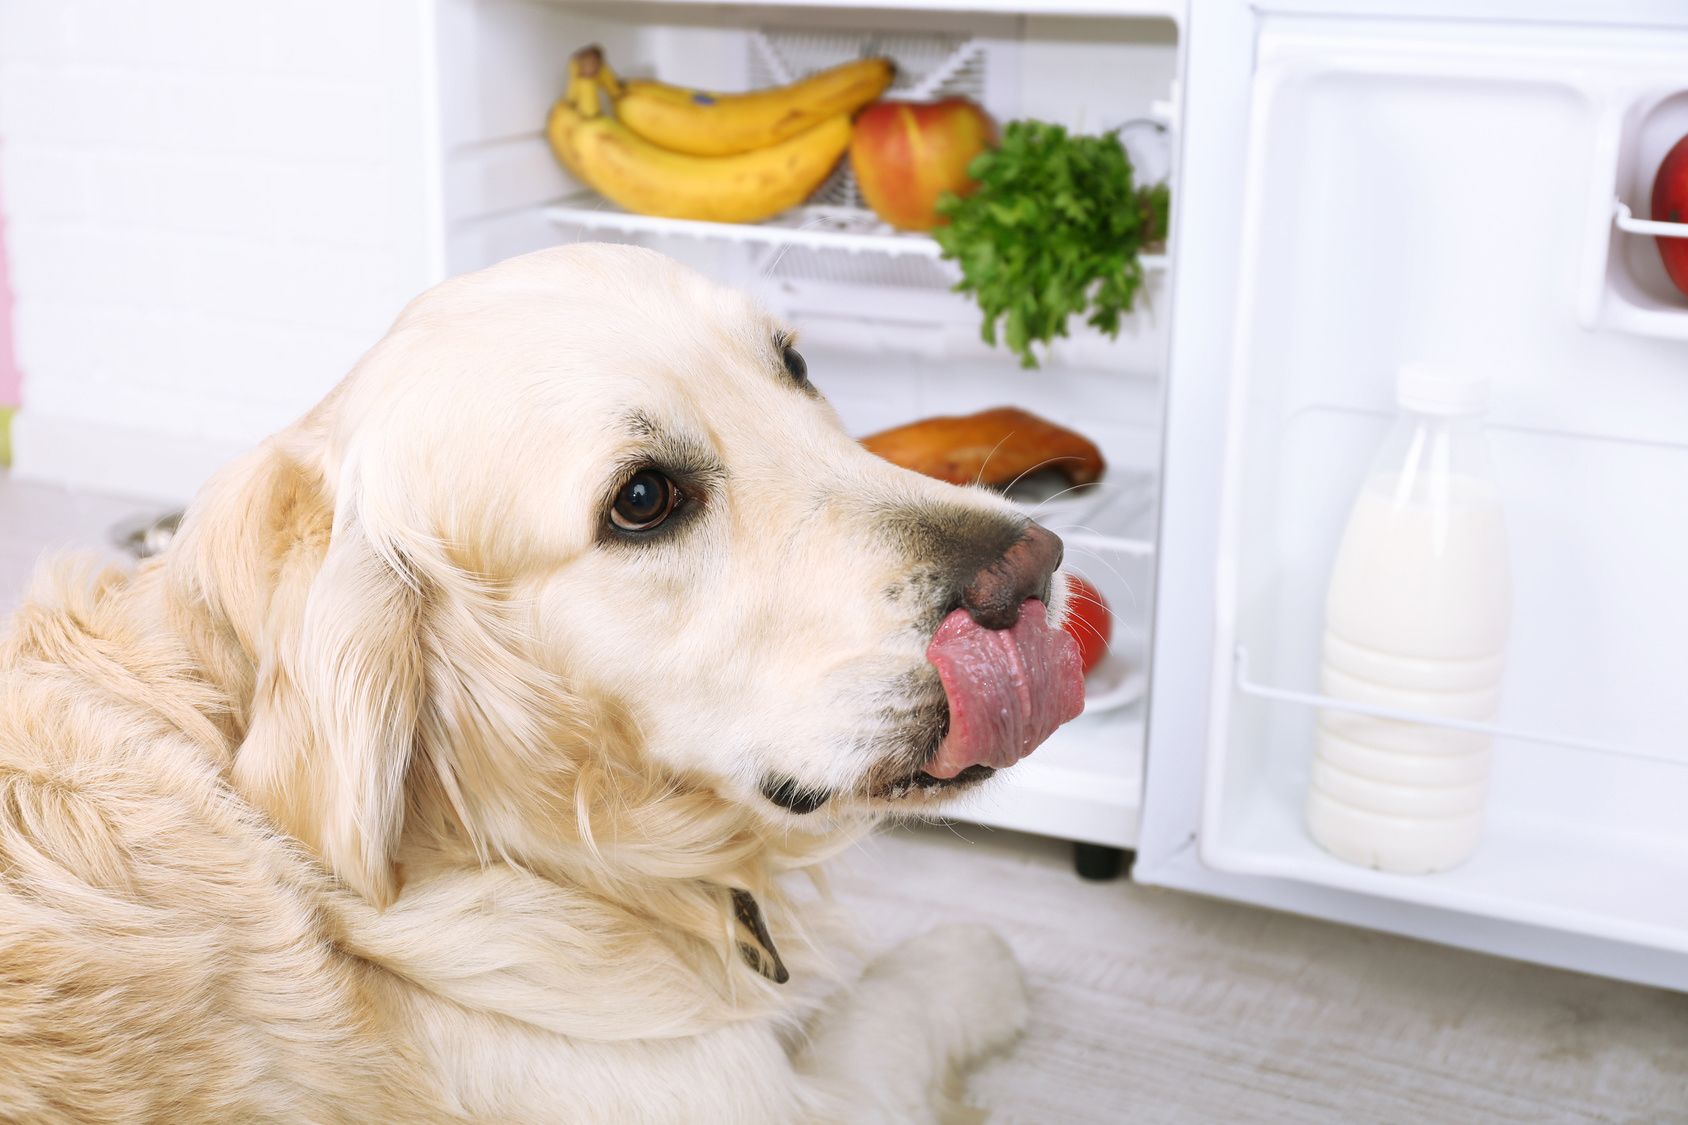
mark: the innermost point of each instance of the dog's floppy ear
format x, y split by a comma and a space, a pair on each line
337, 709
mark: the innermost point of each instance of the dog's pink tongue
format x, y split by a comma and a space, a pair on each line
1008, 688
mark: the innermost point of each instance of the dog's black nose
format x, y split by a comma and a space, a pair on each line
994, 595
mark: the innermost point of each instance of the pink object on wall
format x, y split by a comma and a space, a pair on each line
8, 357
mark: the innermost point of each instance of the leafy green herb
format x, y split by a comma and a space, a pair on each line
1054, 228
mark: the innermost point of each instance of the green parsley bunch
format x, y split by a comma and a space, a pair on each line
1054, 228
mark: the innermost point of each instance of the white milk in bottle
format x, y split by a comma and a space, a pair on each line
1417, 617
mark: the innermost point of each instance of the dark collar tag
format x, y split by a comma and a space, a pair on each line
766, 959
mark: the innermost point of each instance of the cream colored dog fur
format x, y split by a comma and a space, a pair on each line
403, 787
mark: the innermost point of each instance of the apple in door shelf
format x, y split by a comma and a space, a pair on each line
906, 155
1670, 205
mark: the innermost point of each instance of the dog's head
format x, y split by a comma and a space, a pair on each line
580, 535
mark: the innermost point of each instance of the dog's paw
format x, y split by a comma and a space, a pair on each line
968, 972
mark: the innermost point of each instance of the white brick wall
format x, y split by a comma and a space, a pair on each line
212, 207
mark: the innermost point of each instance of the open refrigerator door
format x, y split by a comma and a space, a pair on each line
1458, 186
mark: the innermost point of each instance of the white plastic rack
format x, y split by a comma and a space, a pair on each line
851, 230
820, 227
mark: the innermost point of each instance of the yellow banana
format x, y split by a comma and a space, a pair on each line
630, 171
638, 175
581, 99
704, 124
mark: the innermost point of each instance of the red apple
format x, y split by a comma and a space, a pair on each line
907, 154
1089, 622
1670, 205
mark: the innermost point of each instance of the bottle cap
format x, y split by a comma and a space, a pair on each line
1430, 390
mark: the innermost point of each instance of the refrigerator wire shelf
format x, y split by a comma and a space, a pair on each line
823, 229
928, 67
1115, 522
1247, 685
876, 271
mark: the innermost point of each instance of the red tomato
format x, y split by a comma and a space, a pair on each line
1670, 205
1089, 621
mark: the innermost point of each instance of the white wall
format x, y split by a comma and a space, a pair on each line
212, 207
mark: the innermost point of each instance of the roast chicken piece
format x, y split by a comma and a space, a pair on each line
993, 447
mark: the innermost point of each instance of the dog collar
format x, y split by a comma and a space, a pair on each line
762, 956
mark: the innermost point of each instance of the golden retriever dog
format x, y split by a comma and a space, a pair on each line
454, 761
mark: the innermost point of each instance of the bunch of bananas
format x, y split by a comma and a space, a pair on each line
684, 154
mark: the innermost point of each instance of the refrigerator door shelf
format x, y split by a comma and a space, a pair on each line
1535, 870
1359, 192
1528, 871
1626, 288
1630, 224
1248, 685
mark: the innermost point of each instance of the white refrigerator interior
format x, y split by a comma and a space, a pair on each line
885, 338
1440, 185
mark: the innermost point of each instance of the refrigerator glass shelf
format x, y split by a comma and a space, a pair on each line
1110, 544
1248, 686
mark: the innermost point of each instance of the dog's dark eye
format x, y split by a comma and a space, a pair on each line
644, 502
795, 364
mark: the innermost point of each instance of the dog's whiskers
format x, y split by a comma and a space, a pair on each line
979, 477
1043, 464
1098, 557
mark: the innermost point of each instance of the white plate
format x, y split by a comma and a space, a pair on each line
1118, 681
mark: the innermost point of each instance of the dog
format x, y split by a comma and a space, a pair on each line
453, 761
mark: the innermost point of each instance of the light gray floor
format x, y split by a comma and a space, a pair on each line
38, 520
1153, 1006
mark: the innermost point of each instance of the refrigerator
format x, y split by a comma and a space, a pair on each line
1355, 185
